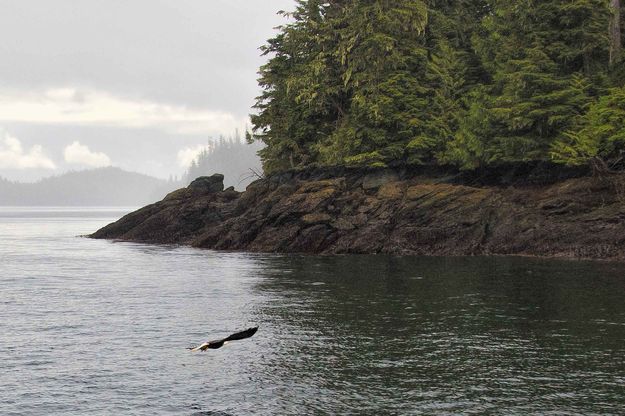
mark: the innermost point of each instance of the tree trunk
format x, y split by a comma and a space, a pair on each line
616, 44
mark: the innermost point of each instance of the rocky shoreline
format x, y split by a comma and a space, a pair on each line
393, 211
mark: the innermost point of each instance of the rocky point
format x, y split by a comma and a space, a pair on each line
389, 211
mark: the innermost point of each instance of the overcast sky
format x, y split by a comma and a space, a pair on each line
128, 83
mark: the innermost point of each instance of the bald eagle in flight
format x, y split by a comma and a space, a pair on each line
218, 343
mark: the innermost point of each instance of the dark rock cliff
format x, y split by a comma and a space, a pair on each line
391, 211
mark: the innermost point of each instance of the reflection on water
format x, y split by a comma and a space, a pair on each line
450, 334
98, 327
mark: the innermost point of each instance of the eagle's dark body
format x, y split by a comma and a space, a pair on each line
213, 345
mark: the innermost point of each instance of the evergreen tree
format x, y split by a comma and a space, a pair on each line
468, 147
382, 59
455, 74
600, 138
298, 103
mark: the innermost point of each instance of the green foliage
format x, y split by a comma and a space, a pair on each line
463, 82
534, 107
468, 148
600, 135
296, 104
541, 55
381, 55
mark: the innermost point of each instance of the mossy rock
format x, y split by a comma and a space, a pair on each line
393, 190
316, 218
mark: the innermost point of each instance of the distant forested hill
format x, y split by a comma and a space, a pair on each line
98, 187
237, 160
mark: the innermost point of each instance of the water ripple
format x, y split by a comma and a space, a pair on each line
94, 327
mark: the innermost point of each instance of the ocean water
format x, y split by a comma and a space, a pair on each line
101, 328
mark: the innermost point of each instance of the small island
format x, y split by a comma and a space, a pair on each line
405, 127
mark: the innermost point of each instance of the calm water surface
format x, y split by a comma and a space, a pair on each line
95, 327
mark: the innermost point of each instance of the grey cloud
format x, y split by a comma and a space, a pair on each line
197, 53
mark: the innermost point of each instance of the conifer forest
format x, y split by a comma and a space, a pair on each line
464, 83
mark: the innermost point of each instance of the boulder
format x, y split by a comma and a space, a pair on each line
208, 184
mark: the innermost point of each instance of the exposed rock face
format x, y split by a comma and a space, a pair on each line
388, 212
210, 184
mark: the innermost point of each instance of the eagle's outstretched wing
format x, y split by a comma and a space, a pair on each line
213, 345
242, 335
